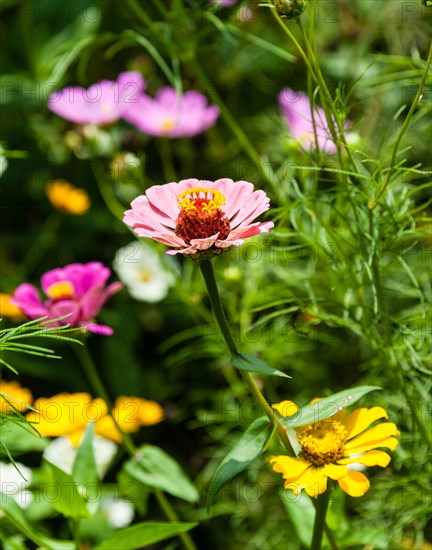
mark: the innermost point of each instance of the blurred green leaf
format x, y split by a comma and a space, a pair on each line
155, 468
68, 499
16, 516
250, 445
19, 438
144, 534
84, 467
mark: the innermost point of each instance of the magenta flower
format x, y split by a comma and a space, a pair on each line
196, 215
76, 289
296, 107
172, 115
102, 103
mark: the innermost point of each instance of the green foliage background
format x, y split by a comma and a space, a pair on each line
337, 295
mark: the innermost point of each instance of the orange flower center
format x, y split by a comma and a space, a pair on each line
201, 215
60, 290
322, 442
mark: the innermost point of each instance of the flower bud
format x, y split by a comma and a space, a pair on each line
290, 8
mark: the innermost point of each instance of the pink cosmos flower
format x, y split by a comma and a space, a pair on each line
102, 103
76, 289
296, 107
172, 115
196, 215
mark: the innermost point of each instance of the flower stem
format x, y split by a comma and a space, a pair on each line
406, 123
320, 515
213, 292
99, 387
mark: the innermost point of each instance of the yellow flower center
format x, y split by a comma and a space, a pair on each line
167, 125
61, 289
201, 214
145, 275
322, 442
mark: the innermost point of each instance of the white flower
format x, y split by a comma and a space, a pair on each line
139, 267
61, 453
3, 164
118, 513
14, 484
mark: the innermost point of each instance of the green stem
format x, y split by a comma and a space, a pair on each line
139, 12
213, 292
406, 123
99, 387
267, 174
105, 189
165, 152
42, 243
320, 516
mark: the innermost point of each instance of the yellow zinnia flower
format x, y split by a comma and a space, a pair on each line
131, 413
67, 198
68, 414
18, 396
331, 446
7, 309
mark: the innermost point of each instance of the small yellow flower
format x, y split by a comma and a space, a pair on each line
18, 396
65, 414
67, 198
7, 309
330, 447
68, 414
131, 413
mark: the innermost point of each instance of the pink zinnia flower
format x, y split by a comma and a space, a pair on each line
195, 215
296, 107
76, 289
172, 115
102, 103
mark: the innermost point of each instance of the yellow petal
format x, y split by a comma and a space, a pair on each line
335, 471
313, 481
75, 437
354, 484
286, 408
360, 419
378, 436
372, 458
290, 467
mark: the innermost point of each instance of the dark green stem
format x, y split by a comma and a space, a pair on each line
213, 292
320, 516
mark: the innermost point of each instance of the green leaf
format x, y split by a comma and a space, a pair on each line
325, 408
143, 534
155, 468
16, 516
302, 514
66, 497
244, 361
19, 438
250, 445
84, 467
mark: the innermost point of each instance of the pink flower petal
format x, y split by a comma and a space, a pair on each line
27, 298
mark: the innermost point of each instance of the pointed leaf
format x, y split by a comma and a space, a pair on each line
155, 468
244, 361
325, 408
84, 468
250, 445
143, 534
66, 498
